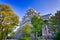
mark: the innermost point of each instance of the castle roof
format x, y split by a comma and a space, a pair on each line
31, 11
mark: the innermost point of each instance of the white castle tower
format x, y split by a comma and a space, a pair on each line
27, 19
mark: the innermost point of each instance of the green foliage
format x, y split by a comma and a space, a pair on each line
26, 38
52, 28
26, 30
55, 22
56, 19
37, 25
39, 38
8, 20
46, 22
57, 35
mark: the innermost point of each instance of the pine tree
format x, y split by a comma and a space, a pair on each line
55, 21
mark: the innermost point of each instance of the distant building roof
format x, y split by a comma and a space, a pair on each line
46, 15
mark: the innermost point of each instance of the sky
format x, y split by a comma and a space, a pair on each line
43, 6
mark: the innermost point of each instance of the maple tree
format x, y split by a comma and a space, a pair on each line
8, 20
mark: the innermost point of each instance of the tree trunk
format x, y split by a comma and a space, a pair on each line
35, 36
6, 34
2, 33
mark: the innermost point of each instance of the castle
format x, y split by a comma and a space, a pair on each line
27, 19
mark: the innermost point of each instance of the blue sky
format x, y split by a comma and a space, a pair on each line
42, 6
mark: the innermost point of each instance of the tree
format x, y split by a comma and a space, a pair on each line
55, 20
26, 30
37, 25
8, 20
57, 35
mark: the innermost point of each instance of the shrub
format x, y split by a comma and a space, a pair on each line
26, 38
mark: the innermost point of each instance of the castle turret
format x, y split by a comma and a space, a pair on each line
27, 18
